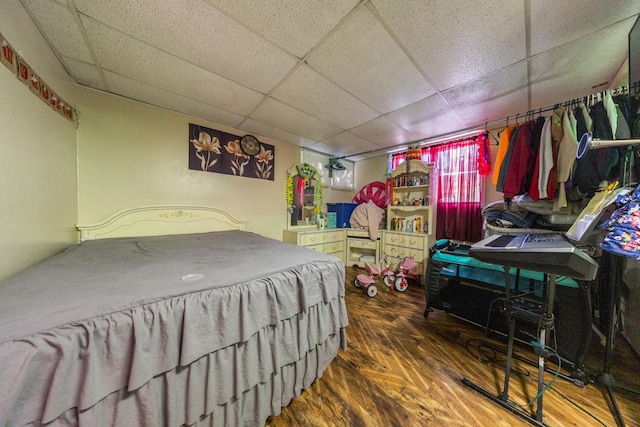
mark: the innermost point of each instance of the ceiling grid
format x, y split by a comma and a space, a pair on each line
341, 77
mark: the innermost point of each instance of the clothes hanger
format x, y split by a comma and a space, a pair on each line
486, 131
506, 126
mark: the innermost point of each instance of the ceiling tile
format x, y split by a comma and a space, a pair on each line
492, 97
131, 88
383, 132
260, 129
346, 143
566, 73
321, 147
274, 113
136, 60
291, 24
455, 41
198, 33
429, 117
555, 22
361, 57
57, 22
336, 75
308, 91
84, 73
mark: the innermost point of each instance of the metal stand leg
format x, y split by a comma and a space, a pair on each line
547, 322
543, 342
604, 378
511, 324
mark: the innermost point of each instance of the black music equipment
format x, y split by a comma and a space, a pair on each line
483, 305
549, 253
474, 292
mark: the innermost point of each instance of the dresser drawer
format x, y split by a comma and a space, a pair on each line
332, 247
417, 254
312, 239
334, 236
363, 244
413, 242
330, 242
329, 248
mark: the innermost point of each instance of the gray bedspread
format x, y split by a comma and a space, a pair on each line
112, 315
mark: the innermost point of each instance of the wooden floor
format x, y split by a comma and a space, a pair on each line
402, 369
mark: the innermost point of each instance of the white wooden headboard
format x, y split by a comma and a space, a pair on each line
161, 220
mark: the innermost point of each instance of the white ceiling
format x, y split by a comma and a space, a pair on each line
342, 77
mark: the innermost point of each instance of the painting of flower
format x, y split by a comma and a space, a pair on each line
212, 150
240, 159
205, 145
265, 163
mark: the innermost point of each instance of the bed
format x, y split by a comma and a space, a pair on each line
167, 316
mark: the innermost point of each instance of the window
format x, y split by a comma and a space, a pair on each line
460, 188
337, 179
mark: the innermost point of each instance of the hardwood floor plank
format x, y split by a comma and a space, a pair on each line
402, 369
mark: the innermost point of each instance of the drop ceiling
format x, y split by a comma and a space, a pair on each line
342, 77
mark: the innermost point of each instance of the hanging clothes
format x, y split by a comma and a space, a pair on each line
566, 156
606, 158
596, 165
622, 130
634, 115
484, 155
586, 115
539, 190
612, 113
546, 185
504, 167
534, 168
503, 145
519, 163
581, 124
538, 161
573, 121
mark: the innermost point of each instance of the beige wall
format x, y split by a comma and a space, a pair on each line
373, 169
132, 154
37, 155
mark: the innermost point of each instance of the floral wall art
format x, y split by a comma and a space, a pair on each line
212, 150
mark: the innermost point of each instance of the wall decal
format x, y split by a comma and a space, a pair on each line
212, 150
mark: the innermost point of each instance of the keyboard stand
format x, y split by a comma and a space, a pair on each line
540, 348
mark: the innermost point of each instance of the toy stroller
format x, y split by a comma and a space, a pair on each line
401, 283
367, 281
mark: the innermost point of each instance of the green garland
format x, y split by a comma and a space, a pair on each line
289, 193
305, 170
317, 196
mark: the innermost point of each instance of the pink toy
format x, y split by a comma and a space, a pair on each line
401, 283
367, 281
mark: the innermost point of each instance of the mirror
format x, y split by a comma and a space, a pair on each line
304, 195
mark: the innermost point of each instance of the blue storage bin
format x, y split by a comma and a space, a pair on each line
343, 212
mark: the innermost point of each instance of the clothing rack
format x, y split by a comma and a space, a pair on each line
484, 127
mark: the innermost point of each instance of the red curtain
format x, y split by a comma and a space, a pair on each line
459, 213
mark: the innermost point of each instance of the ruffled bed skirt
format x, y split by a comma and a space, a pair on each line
190, 395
